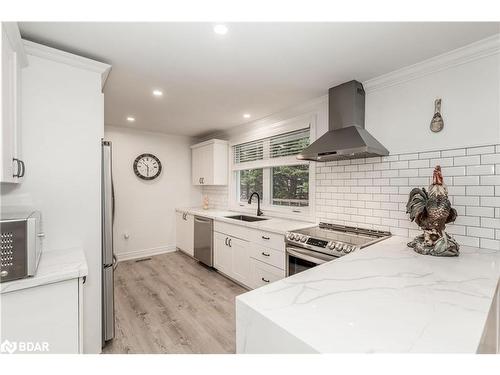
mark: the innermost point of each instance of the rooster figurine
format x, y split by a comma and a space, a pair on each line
432, 210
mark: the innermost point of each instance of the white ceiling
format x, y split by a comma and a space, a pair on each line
210, 80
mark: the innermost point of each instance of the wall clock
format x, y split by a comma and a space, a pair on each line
147, 166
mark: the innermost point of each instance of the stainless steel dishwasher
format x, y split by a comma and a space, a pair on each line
203, 240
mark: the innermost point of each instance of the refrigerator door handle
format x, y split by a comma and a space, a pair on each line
115, 262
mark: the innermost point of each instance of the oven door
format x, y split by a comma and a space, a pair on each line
299, 259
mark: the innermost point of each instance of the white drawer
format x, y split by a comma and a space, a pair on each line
268, 239
267, 255
260, 237
263, 274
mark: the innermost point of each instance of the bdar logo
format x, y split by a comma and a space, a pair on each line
8, 347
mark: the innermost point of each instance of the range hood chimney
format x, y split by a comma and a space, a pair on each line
346, 137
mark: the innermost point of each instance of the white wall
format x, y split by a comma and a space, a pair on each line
399, 116
62, 127
145, 210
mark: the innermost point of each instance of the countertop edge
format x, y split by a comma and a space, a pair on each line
55, 266
218, 215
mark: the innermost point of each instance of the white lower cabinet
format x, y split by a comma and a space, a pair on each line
184, 229
223, 256
240, 253
44, 319
262, 273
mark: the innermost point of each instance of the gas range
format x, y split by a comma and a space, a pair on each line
334, 240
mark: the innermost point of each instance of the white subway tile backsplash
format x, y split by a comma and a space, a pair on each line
408, 157
373, 192
473, 189
481, 232
487, 222
490, 201
467, 180
390, 173
467, 160
443, 162
457, 152
489, 244
467, 241
399, 181
399, 165
479, 170
429, 155
453, 171
490, 180
481, 150
490, 159
480, 211
419, 164
465, 200
481, 190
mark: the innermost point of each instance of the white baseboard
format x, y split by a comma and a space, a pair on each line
136, 254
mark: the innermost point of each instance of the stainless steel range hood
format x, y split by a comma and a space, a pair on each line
346, 137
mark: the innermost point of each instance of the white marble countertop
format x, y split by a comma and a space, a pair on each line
272, 224
55, 266
384, 298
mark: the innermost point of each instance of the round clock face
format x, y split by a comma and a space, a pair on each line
147, 166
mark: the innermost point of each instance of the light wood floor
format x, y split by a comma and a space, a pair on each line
173, 304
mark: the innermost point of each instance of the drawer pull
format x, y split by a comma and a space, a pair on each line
266, 281
266, 238
266, 254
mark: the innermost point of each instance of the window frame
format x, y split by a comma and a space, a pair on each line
266, 206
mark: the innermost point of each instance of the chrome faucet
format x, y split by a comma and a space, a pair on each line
259, 212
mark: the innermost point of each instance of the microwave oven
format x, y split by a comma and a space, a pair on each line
21, 239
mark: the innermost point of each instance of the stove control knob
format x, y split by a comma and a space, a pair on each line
332, 245
348, 249
288, 236
338, 246
296, 237
303, 239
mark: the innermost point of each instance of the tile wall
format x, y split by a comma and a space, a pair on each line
373, 192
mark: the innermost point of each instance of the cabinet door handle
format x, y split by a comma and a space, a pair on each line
230, 242
266, 254
265, 280
203, 180
225, 241
23, 170
18, 167
266, 238
199, 180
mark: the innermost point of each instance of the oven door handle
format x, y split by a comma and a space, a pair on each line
298, 253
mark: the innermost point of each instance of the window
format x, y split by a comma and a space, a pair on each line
290, 186
269, 167
250, 180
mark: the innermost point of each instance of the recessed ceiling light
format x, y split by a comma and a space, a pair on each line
220, 29
130, 119
157, 93
246, 115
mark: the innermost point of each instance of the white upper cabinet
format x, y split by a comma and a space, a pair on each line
210, 162
14, 59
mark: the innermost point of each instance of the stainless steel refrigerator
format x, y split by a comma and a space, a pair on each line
108, 257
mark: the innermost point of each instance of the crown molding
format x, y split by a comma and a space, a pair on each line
471, 52
12, 31
49, 53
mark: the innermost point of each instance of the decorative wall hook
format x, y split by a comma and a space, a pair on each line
437, 122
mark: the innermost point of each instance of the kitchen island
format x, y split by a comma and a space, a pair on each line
384, 298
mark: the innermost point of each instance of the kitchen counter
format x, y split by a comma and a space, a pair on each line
55, 266
274, 225
383, 298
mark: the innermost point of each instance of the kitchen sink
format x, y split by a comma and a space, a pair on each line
246, 218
